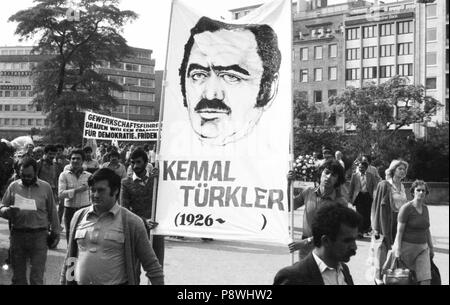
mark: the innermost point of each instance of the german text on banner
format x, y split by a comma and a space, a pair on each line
227, 117
101, 127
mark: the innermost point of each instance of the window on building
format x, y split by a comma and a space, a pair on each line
405, 48
332, 50
132, 67
7, 107
303, 53
387, 71
304, 75
332, 73
30, 122
386, 50
352, 34
369, 52
405, 27
147, 83
317, 96
23, 107
318, 52
147, 69
131, 95
147, 111
431, 10
23, 122
131, 81
23, 94
386, 29
431, 58
431, 83
117, 79
117, 66
30, 93
318, 74
15, 107
369, 31
148, 97
15, 93
39, 122
7, 93
1, 93
405, 70
431, 34
369, 72
7, 122
352, 74
332, 92
15, 122
38, 108
353, 54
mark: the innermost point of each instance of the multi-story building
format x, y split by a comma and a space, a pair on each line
18, 116
356, 42
137, 75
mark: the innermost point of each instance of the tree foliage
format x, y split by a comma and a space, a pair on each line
67, 81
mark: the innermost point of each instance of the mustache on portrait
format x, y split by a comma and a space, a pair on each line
212, 104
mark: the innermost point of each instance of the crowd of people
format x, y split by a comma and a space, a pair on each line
102, 199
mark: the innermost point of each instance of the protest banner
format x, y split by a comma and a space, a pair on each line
227, 119
101, 127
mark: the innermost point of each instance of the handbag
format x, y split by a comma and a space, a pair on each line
435, 274
395, 272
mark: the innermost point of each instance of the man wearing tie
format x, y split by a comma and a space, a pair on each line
362, 186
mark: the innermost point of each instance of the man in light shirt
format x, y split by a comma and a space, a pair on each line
73, 187
335, 230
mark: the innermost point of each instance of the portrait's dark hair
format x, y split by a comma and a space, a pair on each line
328, 219
336, 169
268, 51
419, 183
106, 174
77, 152
27, 162
87, 150
114, 153
139, 153
50, 147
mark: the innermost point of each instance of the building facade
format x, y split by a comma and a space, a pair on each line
18, 116
357, 42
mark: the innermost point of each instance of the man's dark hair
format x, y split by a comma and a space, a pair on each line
268, 51
114, 153
59, 146
328, 220
77, 152
50, 147
87, 150
139, 153
364, 163
368, 157
27, 162
106, 174
336, 169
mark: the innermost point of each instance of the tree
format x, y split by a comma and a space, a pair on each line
313, 129
67, 82
378, 112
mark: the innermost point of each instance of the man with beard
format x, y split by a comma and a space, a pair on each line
335, 230
30, 207
331, 178
136, 195
229, 77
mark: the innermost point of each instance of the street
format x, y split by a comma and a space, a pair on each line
195, 262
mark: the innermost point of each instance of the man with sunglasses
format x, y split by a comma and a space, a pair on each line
30, 206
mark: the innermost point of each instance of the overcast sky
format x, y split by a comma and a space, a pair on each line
149, 31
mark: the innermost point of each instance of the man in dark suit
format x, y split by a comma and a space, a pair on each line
335, 229
362, 186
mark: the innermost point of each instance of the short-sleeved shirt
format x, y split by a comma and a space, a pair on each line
416, 225
67, 183
101, 248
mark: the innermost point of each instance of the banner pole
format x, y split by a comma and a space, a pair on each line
291, 147
161, 115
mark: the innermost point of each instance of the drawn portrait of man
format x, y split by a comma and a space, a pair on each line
229, 76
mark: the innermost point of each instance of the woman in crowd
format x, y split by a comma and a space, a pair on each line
390, 196
413, 243
331, 178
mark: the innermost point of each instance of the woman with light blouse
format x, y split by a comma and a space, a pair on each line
390, 196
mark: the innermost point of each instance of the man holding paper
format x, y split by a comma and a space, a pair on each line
30, 206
